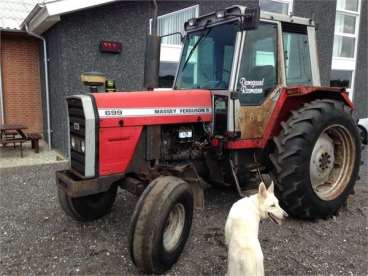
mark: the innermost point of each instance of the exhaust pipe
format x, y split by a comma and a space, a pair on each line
152, 53
154, 30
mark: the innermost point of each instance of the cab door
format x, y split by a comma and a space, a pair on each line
259, 77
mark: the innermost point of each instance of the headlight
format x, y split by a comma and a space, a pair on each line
82, 146
72, 142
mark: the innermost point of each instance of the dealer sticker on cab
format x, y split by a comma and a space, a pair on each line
251, 86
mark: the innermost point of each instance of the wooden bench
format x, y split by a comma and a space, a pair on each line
14, 142
35, 138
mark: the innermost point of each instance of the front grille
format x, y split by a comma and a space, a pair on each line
77, 129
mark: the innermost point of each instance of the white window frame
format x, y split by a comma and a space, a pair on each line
168, 51
171, 53
290, 5
173, 13
344, 63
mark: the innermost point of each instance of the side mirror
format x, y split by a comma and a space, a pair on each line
152, 62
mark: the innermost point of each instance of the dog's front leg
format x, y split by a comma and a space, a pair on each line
234, 266
259, 261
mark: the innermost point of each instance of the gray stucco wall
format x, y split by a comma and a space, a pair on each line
73, 47
360, 96
323, 12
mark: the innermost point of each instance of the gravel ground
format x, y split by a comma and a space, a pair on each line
37, 238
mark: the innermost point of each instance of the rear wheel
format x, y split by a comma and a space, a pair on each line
88, 208
317, 159
161, 224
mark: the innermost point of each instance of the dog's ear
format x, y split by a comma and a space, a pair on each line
271, 188
262, 190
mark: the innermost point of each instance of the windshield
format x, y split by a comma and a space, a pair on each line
207, 58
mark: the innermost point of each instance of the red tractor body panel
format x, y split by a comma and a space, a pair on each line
117, 148
291, 98
122, 116
154, 107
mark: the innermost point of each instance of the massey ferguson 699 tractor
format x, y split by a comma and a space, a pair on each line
246, 100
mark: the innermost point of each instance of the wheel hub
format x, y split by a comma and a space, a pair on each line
322, 160
174, 227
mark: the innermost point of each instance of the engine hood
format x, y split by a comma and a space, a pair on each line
153, 107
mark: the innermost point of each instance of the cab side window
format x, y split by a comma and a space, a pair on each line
297, 58
258, 67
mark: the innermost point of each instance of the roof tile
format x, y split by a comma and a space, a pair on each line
13, 12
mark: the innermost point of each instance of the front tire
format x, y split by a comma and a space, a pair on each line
316, 159
160, 224
88, 208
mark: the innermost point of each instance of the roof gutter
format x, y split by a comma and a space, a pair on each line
29, 17
46, 76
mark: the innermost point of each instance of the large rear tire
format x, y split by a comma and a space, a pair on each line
316, 159
88, 208
160, 224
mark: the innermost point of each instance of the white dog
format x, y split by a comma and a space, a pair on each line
245, 257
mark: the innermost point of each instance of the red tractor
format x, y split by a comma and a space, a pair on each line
246, 100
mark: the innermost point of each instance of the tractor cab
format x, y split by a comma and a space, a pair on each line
244, 57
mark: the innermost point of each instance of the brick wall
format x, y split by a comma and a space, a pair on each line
21, 81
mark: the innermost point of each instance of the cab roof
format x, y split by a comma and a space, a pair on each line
248, 13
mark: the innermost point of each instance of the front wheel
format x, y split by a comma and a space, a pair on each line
316, 159
161, 224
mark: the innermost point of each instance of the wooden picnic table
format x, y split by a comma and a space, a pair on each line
13, 134
12, 128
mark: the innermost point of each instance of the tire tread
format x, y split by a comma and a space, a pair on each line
288, 149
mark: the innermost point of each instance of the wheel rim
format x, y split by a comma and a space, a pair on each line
332, 162
174, 227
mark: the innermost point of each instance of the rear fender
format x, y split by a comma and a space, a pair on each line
288, 99
295, 97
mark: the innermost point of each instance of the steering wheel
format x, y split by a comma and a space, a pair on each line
220, 83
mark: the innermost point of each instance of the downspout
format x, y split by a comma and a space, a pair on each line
1, 86
46, 83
